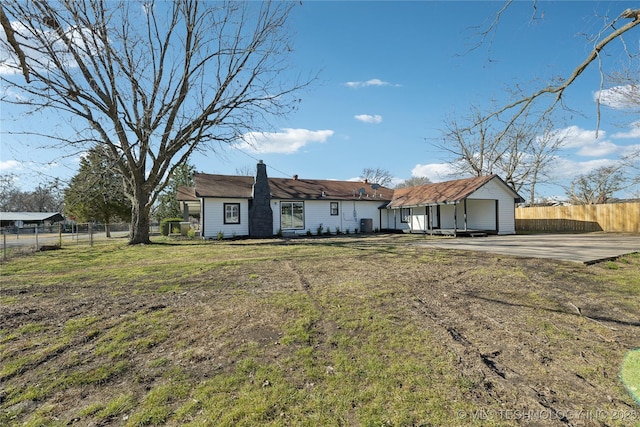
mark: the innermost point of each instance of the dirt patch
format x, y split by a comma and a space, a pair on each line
521, 336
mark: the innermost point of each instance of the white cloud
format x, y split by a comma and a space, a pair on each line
632, 133
8, 165
575, 137
569, 169
371, 82
288, 141
619, 97
633, 149
598, 149
367, 118
589, 143
436, 172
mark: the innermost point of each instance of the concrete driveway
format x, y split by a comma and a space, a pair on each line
585, 248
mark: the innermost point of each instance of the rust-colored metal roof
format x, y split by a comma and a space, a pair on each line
229, 186
438, 193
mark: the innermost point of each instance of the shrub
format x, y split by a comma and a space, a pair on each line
167, 225
220, 235
191, 233
319, 231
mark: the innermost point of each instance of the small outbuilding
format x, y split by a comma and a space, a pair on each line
480, 205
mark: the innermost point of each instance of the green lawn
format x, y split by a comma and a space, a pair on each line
353, 330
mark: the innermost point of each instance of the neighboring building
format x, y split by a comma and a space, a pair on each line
22, 219
262, 206
484, 204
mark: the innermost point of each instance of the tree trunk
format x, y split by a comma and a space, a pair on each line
532, 196
140, 212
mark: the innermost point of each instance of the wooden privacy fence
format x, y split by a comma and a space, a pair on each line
614, 217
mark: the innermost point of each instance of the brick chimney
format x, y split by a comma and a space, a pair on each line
260, 213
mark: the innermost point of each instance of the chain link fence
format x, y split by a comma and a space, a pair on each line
22, 240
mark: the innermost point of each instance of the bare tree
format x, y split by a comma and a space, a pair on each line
46, 197
9, 193
549, 98
377, 176
245, 170
414, 181
473, 143
152, 81
597, 186
515, 140
623, 94
522, 154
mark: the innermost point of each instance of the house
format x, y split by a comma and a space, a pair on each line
484, 204
261, 206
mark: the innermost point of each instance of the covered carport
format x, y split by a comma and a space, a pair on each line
22, 219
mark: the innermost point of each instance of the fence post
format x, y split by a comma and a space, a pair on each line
90, 234
4, 245
59, 234
36, 237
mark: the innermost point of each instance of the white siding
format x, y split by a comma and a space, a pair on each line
481, 214
392, 220
213, 213
318, 212
446, 216
495, 190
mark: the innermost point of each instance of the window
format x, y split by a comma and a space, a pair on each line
232, 213
334, 208
405, 214
292, 215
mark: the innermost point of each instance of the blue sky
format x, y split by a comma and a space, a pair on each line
390, 74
